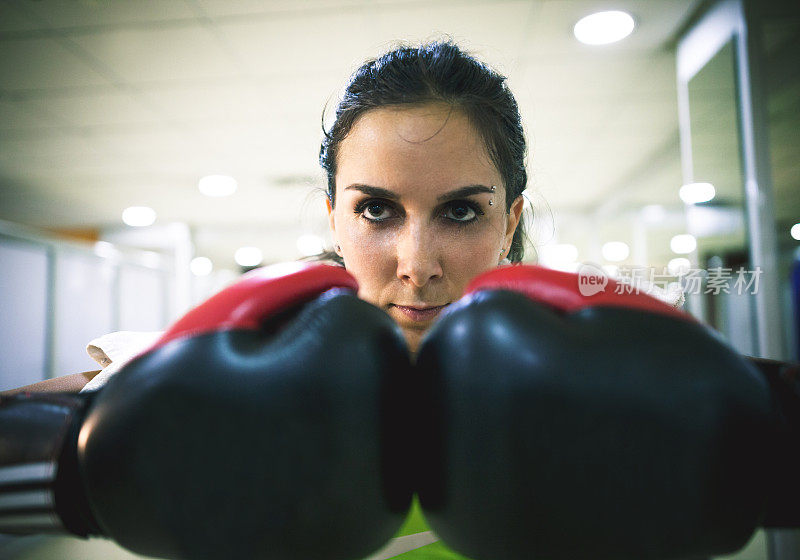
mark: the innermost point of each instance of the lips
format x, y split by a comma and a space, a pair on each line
419, 313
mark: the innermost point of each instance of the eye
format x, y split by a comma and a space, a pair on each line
460, 212
375, 211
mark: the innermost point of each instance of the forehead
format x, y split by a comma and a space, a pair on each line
421, 148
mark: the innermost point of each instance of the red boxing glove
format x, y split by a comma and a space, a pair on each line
567, 292
259, 426
258, 295
607, 426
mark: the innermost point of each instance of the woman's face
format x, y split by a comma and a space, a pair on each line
412, 215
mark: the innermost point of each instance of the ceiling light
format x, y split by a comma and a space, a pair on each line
602, 28
217, 185
105, 250
795, 231
683, 244
201, 266
694, 193
310, 245
615, 251
138, 216
248, 256
678, 266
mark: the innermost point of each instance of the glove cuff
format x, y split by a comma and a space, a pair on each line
40, 487
783, 494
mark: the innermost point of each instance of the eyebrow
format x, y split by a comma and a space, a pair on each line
460, 192
469, 190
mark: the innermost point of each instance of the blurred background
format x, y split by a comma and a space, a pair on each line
152, 150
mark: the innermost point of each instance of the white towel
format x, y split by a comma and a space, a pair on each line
672, 295
114, 350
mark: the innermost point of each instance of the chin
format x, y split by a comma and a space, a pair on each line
413, 338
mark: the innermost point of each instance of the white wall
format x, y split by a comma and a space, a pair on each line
23, 312
55, 297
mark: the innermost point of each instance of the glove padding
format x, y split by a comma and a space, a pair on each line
568, 430
262, 425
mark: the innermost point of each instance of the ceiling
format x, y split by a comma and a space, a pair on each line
108, 104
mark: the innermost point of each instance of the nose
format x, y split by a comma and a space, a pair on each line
418, 259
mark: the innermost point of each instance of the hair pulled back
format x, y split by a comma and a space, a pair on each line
438, 72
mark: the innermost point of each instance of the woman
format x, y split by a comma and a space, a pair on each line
426, 168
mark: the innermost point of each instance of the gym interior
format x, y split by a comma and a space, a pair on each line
151, 152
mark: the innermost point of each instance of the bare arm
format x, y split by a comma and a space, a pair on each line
64, 384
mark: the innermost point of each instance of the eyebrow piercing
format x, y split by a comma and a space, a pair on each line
491, 201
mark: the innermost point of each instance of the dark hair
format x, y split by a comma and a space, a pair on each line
438, 72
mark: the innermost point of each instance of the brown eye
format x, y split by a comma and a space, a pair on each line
460, 212
375, 211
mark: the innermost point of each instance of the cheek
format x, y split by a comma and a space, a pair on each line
469, 253
368, 256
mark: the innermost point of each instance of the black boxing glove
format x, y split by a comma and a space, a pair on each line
40, 488
263, 424
611, 426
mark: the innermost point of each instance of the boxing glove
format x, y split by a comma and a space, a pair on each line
611, 426
263, 424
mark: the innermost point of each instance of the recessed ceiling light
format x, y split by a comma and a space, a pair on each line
105, 250
248, 256
678, 266
602, 28
683, 244
138, 216
695, 193
615, 251
217, 185
201, 266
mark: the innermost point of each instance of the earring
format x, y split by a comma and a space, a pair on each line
491, 201
503, 261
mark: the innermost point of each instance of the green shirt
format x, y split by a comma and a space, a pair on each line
415, 523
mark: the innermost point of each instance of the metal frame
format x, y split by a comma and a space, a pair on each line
728, 20
725, 21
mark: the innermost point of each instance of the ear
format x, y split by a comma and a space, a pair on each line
512, 220
332, 223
